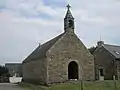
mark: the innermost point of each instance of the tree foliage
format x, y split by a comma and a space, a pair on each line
92, 49
3, 70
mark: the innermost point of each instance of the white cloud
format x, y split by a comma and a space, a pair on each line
23, 24
95, 18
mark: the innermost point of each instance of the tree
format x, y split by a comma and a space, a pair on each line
92, 49
3, 70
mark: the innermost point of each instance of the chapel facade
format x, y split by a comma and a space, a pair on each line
61, 59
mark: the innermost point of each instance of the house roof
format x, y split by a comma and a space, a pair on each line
113, 49
40, 51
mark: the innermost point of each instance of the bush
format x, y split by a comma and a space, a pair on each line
4, 74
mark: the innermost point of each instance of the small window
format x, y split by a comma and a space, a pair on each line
117, 53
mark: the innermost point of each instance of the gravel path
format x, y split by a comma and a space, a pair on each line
8, 86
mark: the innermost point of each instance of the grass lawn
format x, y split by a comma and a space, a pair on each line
103, 85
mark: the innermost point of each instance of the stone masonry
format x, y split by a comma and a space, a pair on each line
63, 58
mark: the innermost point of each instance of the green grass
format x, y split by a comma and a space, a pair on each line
103, 85
32, 87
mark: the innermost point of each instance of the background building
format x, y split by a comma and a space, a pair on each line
14, 69
107, 61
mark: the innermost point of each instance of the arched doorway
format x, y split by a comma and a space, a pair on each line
73, 70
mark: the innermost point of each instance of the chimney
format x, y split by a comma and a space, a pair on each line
100, 43
39, 44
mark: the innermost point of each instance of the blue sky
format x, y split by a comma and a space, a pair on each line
26, 23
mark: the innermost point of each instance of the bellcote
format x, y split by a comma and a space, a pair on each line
68, 20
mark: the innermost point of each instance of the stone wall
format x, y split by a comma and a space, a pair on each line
35, 71
105, 60
118, 69
69, 48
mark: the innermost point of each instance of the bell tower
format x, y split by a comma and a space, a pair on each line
68, 20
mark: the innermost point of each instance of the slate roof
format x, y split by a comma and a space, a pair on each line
40, 51
113, 49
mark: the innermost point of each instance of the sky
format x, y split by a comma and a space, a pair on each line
24, 24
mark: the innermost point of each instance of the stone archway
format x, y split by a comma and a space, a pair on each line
73, 70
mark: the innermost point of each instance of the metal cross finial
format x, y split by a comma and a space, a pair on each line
68, 6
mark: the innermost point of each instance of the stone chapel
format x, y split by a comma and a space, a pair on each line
61, 59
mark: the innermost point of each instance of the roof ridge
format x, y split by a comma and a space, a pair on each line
113, 49
41, 50
112, 45
52, 39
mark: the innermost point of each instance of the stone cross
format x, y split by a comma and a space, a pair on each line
68, 6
